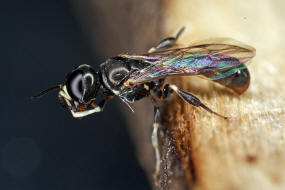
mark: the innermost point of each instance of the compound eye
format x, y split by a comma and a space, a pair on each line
74, 85
82, 84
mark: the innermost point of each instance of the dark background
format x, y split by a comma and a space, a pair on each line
42, 146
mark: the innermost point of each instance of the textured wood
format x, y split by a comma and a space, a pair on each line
200, 150
246, 152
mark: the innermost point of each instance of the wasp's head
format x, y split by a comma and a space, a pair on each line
82, 84
80, 89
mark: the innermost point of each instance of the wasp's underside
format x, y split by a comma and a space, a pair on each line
133, 77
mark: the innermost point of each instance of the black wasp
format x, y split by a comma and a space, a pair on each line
133, 77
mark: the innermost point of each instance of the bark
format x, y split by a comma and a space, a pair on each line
200, 150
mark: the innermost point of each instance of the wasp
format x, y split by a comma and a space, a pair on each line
133, 77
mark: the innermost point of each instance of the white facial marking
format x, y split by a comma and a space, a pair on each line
97, 109
63, 92
82, 114
85, 113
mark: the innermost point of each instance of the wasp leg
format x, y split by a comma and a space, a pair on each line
95, 109
65, 103
193, 100
154, 138
167, 42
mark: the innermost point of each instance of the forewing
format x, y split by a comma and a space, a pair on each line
213, 60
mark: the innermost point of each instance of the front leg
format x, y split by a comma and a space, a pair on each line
95, 108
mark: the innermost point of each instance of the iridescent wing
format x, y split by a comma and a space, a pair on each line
212, 60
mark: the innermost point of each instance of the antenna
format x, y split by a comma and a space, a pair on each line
45, 92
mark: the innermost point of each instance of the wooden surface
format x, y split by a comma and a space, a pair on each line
200, 150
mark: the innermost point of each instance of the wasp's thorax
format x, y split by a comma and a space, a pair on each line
82, 84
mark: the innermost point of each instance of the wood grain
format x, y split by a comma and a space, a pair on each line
200, 150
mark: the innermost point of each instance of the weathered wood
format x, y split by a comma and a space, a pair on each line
200, 150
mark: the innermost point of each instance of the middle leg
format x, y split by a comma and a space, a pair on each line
157, 96
167, 42
154, 138
94, 108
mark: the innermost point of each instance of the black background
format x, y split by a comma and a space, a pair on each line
42, 146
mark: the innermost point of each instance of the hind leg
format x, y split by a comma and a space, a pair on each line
157, 96
191, 99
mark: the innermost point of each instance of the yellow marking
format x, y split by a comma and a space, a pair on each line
146, 87
151, 50
173, 87
129, 83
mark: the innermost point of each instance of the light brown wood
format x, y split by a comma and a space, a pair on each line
200, 150
246, 152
